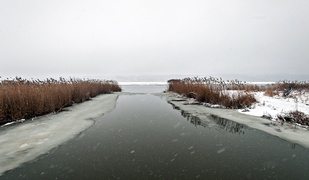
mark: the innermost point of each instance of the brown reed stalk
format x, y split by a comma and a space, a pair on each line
214, 91
286, 86
24, 99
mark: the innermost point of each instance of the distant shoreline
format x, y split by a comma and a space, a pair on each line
142, 83
166, 83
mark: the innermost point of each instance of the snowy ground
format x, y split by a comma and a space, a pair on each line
285, 131
23, 142
273, 106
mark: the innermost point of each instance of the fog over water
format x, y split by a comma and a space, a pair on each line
255, 40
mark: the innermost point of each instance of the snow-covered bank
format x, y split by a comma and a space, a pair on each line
273, 106
26, 141
285, 131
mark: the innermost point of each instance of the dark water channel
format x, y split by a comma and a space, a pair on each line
145, 138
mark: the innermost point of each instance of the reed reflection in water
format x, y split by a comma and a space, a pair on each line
228, 125
145, 138
225, 124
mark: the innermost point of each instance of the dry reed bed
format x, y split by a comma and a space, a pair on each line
215, 91
237, 94
286, 86
24, 99
297, 90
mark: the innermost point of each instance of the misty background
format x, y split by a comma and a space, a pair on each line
139, 40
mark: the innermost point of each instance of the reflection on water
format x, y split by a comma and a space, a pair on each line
228, 125
145, 138
225, 124
192, 119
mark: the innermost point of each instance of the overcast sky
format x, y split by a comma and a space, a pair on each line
41, 38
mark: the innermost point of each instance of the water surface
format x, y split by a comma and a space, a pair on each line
146, 138
143, 89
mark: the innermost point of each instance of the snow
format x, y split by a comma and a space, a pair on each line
250, 119
27, 140
272, 106
14, 122
165, 83
23, 142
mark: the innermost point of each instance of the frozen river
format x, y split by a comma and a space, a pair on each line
144, 137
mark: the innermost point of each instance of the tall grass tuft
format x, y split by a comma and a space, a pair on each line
231, 94
24, 99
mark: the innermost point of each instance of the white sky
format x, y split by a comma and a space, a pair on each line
139, 37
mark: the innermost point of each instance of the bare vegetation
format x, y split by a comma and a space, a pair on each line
237, 94
297, 90
24, 99
286, 87
215, 91
294, 117
295, 85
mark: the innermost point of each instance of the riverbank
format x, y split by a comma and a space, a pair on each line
23, 99
26, 141
286, 131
